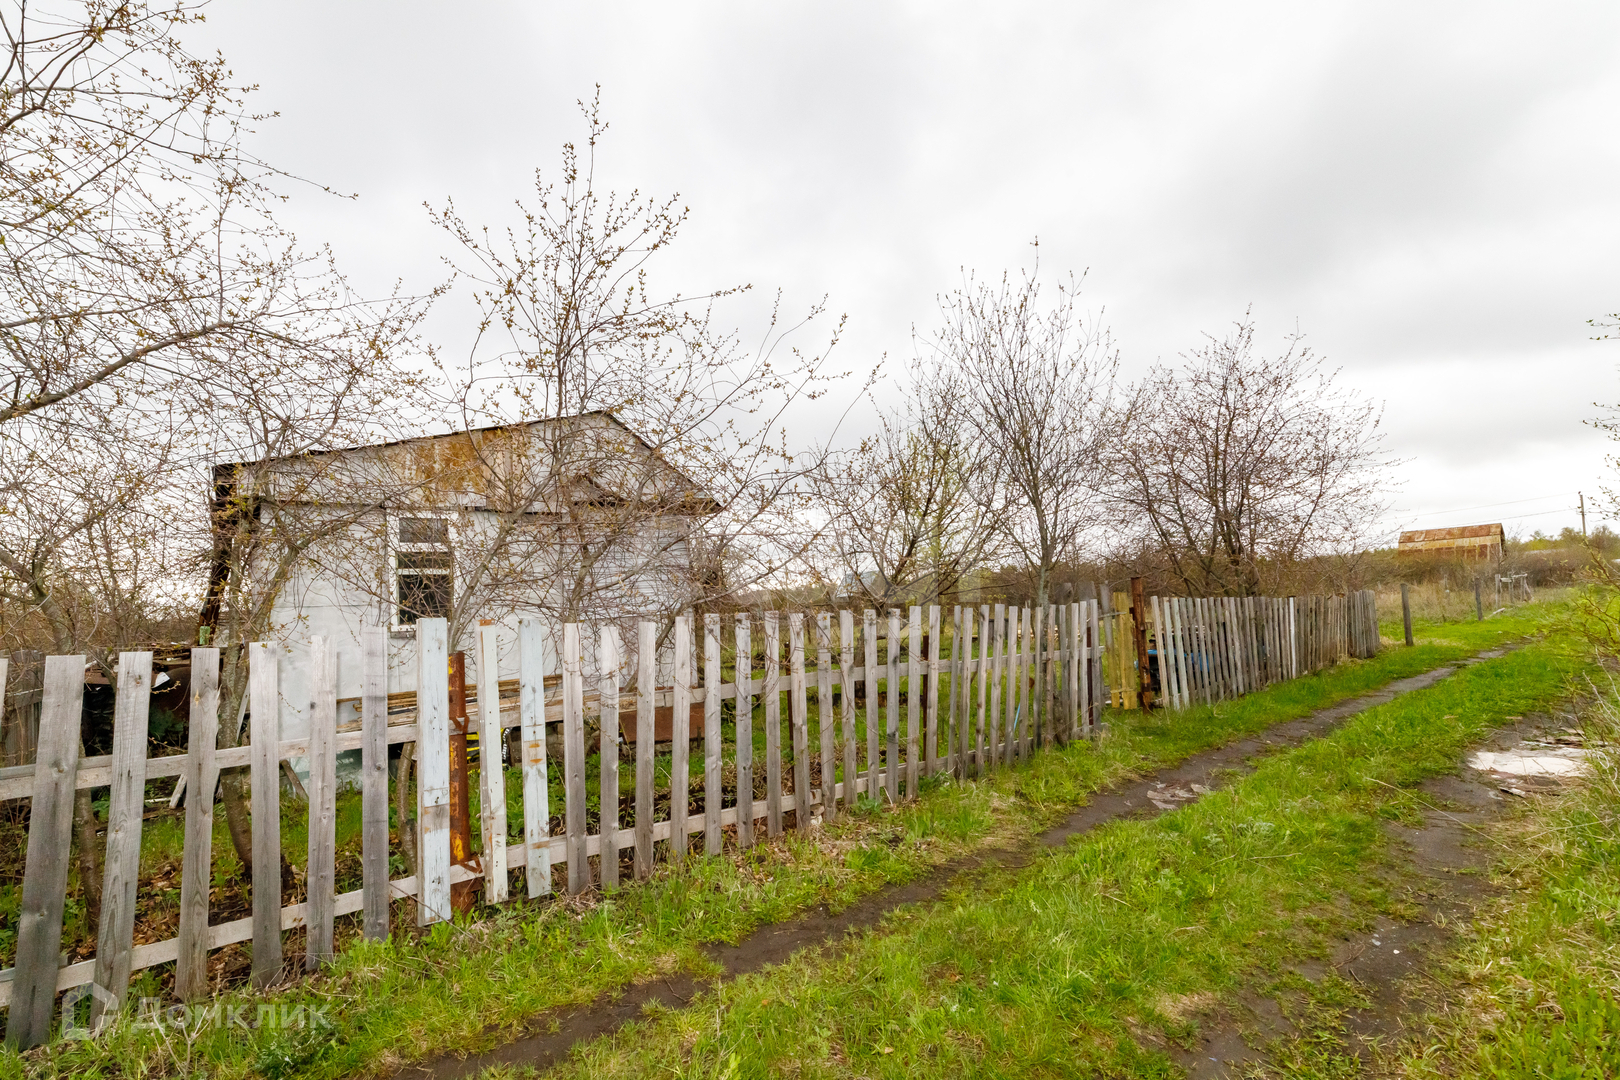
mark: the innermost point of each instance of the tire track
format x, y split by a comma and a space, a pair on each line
556, 1033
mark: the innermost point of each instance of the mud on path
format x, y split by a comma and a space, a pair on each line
1442, 875
554, 1034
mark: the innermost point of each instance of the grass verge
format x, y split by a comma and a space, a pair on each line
1078, 964
472, 985
1532, 989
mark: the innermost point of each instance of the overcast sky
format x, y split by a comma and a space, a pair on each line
1429, 192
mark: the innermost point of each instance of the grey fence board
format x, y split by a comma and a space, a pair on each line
826, 727
914, 670
433, 771
869, 684
126, 804
373, 781
772, 692
846, 707
680, 765
196, 869
320, 873
265, 776
45, 870
799, 722
744, 729
608, 744
536, 783
491, 777
573, 693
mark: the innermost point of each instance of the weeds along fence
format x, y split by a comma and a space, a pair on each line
893, 705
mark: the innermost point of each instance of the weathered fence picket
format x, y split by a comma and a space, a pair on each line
846, 646
713, 748
125, 807
680, 746
744, 730
799, 722
196, 869
536, 784
373, 777
607, 658
39, 922
265, 777
825, 725
321, 821
772, 689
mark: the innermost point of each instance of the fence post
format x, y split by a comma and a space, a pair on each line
772, 691
573, 717
126, 803
999, 663
712, 748
826, 723
645, 744
955, 728
50, 835
265, 778
536, 789
891, 708
932, 695
373, 779
799, 722
680, 747
491, 776
461, 892
869, 686
914, 697
983, 737
846, 649
607, 698
321, 821
433, 771
196, 877
745, 731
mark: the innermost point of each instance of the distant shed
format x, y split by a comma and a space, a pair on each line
1466, 542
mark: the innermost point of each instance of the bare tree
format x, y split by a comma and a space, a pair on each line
155, 319
903, 523
627, 453
1035, 382
1239, 465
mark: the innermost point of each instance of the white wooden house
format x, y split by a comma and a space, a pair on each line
578, 515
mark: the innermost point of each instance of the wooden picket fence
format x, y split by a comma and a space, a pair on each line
1216, 648
1015, 679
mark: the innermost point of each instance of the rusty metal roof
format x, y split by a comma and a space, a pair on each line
1461, 532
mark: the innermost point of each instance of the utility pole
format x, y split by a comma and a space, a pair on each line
1582, 494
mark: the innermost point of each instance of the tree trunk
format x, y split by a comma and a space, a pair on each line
402, 804
232, 791
84, 828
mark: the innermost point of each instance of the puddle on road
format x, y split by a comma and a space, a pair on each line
1531, 758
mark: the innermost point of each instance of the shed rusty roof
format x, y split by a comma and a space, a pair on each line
1461, 532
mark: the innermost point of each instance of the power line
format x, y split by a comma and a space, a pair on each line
1487, 506
1516, 517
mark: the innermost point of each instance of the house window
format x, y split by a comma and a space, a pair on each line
422, 570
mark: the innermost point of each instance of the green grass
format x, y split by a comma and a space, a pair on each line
1126, 931
466, 987
1533, 987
